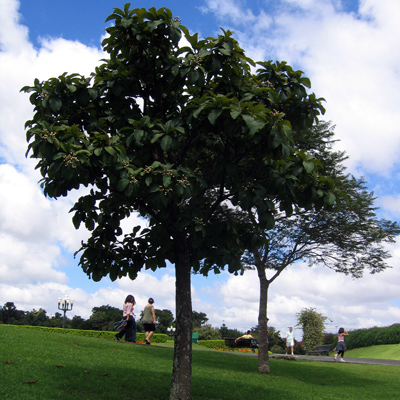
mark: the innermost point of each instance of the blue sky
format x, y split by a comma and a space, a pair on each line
350, 51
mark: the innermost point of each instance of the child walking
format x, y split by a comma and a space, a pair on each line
340, 347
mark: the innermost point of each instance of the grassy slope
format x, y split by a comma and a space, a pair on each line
43, 365
384, 352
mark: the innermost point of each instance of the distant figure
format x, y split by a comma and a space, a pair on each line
245, 336
253, 343
149, 320
290, 340
127, 314
340, 347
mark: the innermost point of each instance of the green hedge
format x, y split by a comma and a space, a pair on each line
373, 337
213, 344
140, 336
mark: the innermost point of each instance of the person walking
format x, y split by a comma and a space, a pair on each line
149, 320
127, 314
290, 340
340, 347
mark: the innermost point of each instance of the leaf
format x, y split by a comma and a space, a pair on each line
109, 150
32, 382
330, 199
122, 184
76, 220
156, 137
253, 124
55, 104
166, 142
166, 180
235, 113
214, 114
192, 77
308, 166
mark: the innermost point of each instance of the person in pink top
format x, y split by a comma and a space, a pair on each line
340, 347
127, 314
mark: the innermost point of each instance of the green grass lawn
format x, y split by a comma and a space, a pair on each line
45, 365
384, 352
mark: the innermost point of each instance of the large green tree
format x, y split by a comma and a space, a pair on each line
103, 318
313, 325
165, 319
349, 240
176, 134
199, 319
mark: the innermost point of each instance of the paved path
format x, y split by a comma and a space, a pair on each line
348, 360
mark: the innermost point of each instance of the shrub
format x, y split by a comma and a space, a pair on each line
372, 337
212, 344
277, 349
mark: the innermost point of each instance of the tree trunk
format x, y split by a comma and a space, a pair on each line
182, 367
263, 358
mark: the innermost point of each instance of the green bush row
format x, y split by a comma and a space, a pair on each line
140, 336
213, 344
373, 336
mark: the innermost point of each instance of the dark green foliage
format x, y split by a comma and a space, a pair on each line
231, 333
373, 336
165, 319
10, 314
275, 349
313, 325
299, 348
199, 319
103, 318
207, 332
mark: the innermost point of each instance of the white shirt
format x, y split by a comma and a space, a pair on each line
290, 336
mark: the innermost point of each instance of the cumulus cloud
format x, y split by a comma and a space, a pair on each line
352, 59
355, 303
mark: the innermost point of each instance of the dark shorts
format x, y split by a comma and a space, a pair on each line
149, 327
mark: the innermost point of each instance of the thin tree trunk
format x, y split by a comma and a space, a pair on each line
263, 357
182, 366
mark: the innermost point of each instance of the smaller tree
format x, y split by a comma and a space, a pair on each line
165, 318
198, 319
313, 325
77, 322
227, 332
104, 317
207, 332
11, 315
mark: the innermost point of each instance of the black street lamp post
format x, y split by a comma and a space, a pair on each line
171, 332
65, 305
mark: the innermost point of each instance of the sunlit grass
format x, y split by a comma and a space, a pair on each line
384, 352
43, 365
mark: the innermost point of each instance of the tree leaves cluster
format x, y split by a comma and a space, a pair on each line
176, 134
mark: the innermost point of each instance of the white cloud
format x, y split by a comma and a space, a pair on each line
354, 303
352, 60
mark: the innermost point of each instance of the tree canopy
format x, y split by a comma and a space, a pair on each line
176, 134
349, 240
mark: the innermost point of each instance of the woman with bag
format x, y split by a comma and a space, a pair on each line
127, 315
